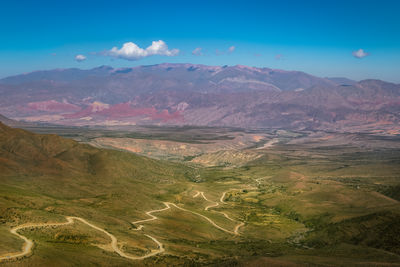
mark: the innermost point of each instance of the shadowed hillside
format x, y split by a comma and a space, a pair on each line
24, 153
49, 173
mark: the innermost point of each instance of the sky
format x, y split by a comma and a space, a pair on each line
355, 39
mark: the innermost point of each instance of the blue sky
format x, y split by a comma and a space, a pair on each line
317, 37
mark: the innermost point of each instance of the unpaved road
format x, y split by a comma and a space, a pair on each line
216, 204
150, 213
114, 243
28, 245
213, 205
223, 197
160, 245
168, 206
204, 217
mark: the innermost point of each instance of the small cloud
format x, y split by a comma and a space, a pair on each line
80, 58
197, 51
131, 51
278, 56
223, 52
257, 55
53, 54
360, 53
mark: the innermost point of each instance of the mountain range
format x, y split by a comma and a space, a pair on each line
189, 94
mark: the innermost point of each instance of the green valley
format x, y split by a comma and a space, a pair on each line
305, 198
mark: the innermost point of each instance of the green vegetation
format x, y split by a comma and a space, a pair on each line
302, 203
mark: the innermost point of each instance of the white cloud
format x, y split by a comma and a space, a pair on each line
197, 51
278, 56
224, 52
360, 53
131, 51
80, 58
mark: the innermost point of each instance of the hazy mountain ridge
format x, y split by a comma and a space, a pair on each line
198, 95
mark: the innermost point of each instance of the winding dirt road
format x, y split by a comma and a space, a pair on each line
168, 206
114, 243
150, 213
28, 245
216, 204
213, 205
223, 197
204, 217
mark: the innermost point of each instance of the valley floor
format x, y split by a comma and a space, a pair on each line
240, 198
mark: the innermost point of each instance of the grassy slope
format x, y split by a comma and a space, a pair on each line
326, 193
45, 177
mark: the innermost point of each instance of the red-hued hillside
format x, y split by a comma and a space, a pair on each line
199, 95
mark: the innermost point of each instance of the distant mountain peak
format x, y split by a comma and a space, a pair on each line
237, 95
103, 67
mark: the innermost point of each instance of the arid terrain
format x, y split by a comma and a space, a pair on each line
200, 133
206, 196
192, 94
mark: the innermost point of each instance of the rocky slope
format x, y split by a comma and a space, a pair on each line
200, 95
